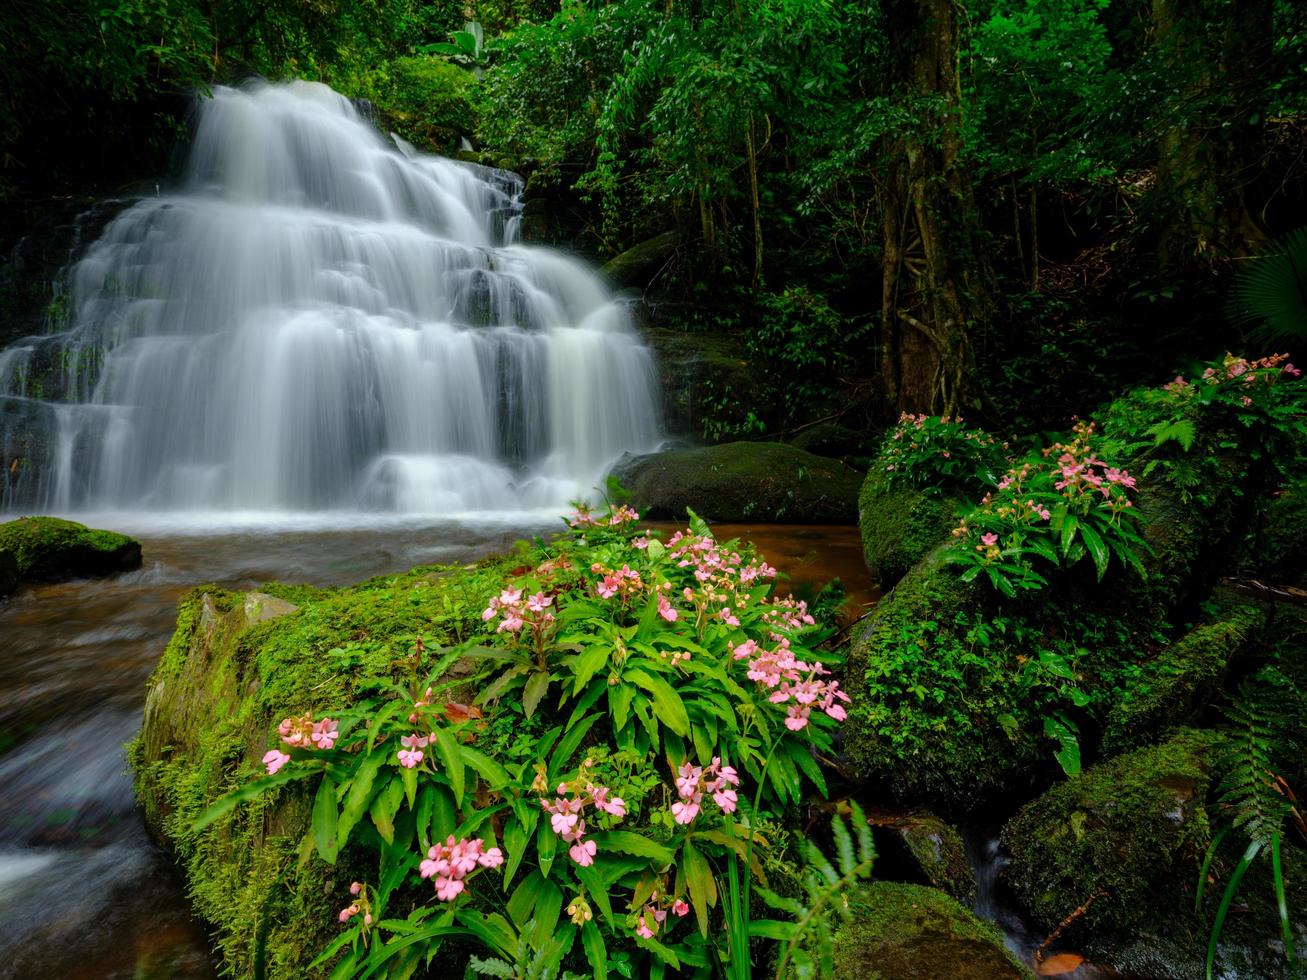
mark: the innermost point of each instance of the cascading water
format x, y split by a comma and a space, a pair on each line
319, 321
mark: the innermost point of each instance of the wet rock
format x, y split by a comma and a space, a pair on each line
699, 372
259, 607
51, 549
640, 263
1128, 834
929, 847
742, 481
8, 573
835, 441
909, 932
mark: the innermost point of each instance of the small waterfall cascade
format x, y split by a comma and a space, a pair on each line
318, 320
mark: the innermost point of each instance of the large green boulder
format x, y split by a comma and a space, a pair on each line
910, 932
236, 665
1128, 834
742, 481
50, 549
928, 848
901, 525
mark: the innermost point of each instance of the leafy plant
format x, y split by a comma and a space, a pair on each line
1254, 798
935, 454
1270, 292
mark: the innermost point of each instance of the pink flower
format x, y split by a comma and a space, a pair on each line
642, 930
726, 799
410, 758
355, 887
728, 617
492, 858
539, 602
681, 908
324, 734
1292, 371
563, 822
797, 717
685, 812
448, 888
665, 609
348, 912
583, 853
274, 759
989, 540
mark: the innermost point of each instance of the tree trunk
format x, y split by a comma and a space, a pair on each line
1210, 151
935, 282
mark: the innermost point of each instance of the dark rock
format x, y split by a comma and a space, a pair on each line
835, 441
900, 526
1184, 677
909, 932
1131, 831
8, 573
700, 374
928, 848
638, 265
50, 549
741, 481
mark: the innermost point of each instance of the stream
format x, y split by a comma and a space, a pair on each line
85, 893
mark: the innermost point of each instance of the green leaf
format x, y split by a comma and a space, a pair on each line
667, 704
409, 779
1068, 756
1096, 548
491, 771
384, 807
776, 929
562, 755
703, 890
536, 686
625, 842
592, 941
325, 817
452, 755
1231, 889
587, 664
360, 791
251, 791
1070, 524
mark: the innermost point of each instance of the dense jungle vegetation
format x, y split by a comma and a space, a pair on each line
1011, 207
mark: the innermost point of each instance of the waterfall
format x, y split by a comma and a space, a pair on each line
318, 320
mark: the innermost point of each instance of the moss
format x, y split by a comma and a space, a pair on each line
901, 526
909, 932
742, 481
1131, 831
1184, 678
428, 101
929, 850
930, 700
48, 548
224, 680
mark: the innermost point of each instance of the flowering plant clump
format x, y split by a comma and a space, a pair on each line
605, 664
930, 452
1052, 510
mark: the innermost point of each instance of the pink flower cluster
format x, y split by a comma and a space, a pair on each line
567, 815
619, 516
787, 614
1081, 472
301, 733
449, 863
410, 753
516, 612
654, 913
359, 905
792, 680
1267, 369
624, 582
915, 435
692, 782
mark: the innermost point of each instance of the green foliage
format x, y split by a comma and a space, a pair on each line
428, 101
799, 346
1270, 292
939, 454
1053, 510
605, 665
1254, 799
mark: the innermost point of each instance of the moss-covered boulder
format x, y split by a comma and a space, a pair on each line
910, 932
901, 525
237, 663
640, 263
927, 848
834, 440
1183, 679
700, 374
742, 481
1129, 834
50, 549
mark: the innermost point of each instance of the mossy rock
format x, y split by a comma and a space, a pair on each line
237, 663
834, 441
699, 373
1184, 678
8, 573
1129, 833
50, 549
910, 932
928, 848
901, 525
742, 481
640, 263
927, 716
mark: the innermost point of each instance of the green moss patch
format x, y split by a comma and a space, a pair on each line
909, 932
49, 549
900, 526
1129, 833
